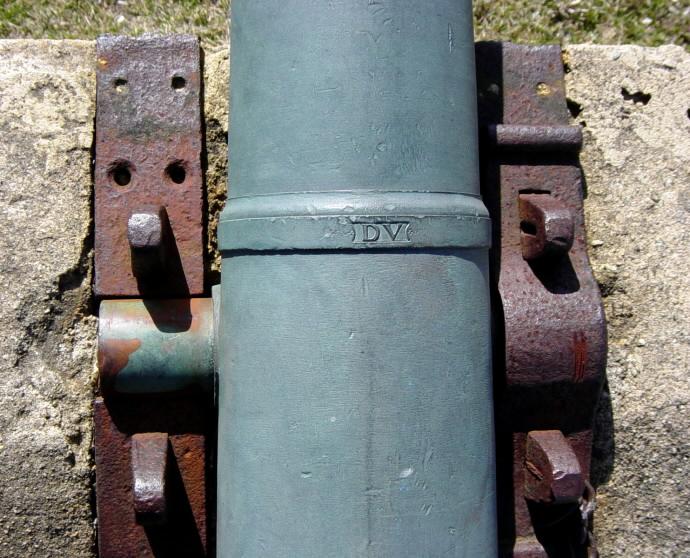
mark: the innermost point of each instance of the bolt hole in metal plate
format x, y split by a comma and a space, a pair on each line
148, 155
121, 173
120, 85
178, 83
176, 172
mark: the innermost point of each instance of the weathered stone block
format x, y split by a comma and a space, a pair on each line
47, 94
635, 105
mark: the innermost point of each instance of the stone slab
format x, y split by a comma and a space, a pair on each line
634, 104
216, 94
47, 332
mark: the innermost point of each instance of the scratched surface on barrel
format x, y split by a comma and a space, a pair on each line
355, 413
352, 95
355, 405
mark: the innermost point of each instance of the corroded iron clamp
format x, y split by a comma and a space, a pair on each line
155, 420
550, 330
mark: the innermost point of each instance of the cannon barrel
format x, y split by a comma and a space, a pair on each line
354, 391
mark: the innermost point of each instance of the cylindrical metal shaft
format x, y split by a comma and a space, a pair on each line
155, 346
355, 401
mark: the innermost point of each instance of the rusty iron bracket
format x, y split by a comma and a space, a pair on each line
148, 173
155, 422
154, 427
152, 476
550, 332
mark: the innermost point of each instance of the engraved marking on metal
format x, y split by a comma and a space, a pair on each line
393, 233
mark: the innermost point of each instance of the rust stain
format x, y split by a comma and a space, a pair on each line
113, 356
580, 356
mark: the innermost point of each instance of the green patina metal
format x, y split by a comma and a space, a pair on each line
355, 397
156, 346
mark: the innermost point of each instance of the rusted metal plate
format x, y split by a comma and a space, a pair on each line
550, 328
148, 164
118, 424
154, 429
